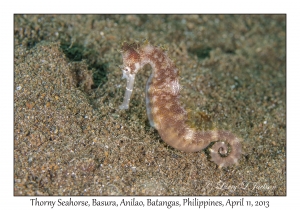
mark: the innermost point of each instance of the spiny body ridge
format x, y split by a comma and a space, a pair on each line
164, 110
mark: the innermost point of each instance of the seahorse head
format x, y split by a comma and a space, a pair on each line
131, 58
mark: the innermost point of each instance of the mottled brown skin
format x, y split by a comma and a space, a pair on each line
165, 112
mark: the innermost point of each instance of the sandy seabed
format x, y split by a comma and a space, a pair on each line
70, 138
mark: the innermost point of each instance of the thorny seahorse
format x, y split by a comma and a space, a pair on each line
163, 106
